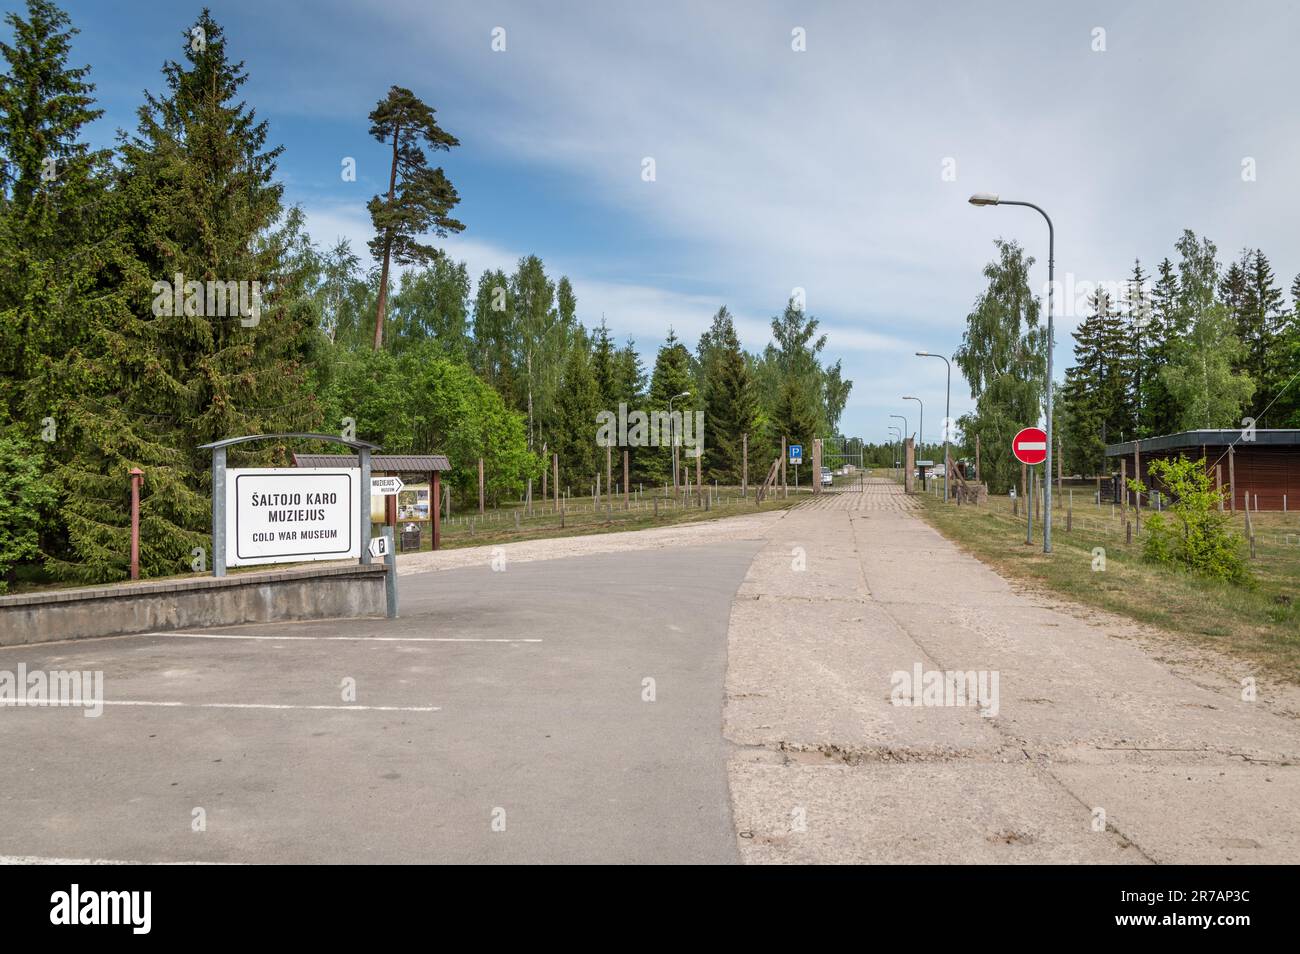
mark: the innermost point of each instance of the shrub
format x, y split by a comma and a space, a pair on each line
24, 495
1193, 533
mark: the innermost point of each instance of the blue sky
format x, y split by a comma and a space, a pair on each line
775, 169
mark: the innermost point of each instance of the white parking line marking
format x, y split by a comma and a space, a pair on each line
267, 705
364, 639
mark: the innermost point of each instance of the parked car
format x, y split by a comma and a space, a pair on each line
827, 480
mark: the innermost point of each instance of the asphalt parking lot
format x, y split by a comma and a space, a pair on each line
503, 718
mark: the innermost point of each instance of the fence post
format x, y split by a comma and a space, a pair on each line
744, 464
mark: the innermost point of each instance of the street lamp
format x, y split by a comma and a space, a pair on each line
920, 428
947, 416
902, 451
989, 198
672, 435
895, 427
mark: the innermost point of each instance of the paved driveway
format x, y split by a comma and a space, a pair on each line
507, 700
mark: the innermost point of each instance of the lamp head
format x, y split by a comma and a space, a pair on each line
984, 198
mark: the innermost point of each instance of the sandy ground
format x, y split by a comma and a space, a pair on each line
751, 527
1105, 742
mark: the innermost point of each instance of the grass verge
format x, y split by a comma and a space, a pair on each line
1261, 625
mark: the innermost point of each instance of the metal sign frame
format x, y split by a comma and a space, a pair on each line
218, 449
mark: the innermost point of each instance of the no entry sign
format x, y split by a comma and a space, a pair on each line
1030, 446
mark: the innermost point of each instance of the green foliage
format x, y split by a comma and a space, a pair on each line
25, 496
730, 409
1003, 356
1199, 377
672, 376
422, 401
1192, 533
1097, 401
95, 351
420, 199
574, 431
433, 304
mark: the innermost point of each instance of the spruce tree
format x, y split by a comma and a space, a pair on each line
672, 376
202, 209
1261, 332
67, 282
729, 404
1167, 325
574, 432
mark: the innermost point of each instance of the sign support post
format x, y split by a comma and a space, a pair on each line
218, 511
390, 574
220, 514
364, 454
1030, 446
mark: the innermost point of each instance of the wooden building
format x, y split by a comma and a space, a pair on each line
1267, 467
419, 466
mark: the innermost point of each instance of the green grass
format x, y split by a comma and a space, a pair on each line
1260, 624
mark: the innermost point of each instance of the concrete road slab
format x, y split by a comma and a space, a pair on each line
915, 813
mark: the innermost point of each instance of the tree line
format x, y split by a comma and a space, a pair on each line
161, 294
1199, 346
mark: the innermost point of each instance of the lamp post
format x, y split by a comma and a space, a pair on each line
988, 198
902, 450
947, 418
672, 434
895, 427
920, 428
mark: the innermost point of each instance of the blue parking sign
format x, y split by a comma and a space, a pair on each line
796, 453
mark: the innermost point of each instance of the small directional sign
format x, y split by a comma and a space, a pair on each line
1030, 445
796, 453
378, 547
385, 486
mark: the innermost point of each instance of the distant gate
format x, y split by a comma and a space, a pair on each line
843, 456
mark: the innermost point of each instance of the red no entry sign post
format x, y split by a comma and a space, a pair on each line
1030, 448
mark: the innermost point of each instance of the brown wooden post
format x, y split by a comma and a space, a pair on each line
977, 458
785, 487
544, 469
627, 484
555, 480
390, 507
699, 478
744, 464
609, 473
1123, 485
1232, 479
435, 494
1059, 470
1024, 485
480, 486
1137, 475
137, 478
1218, 484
